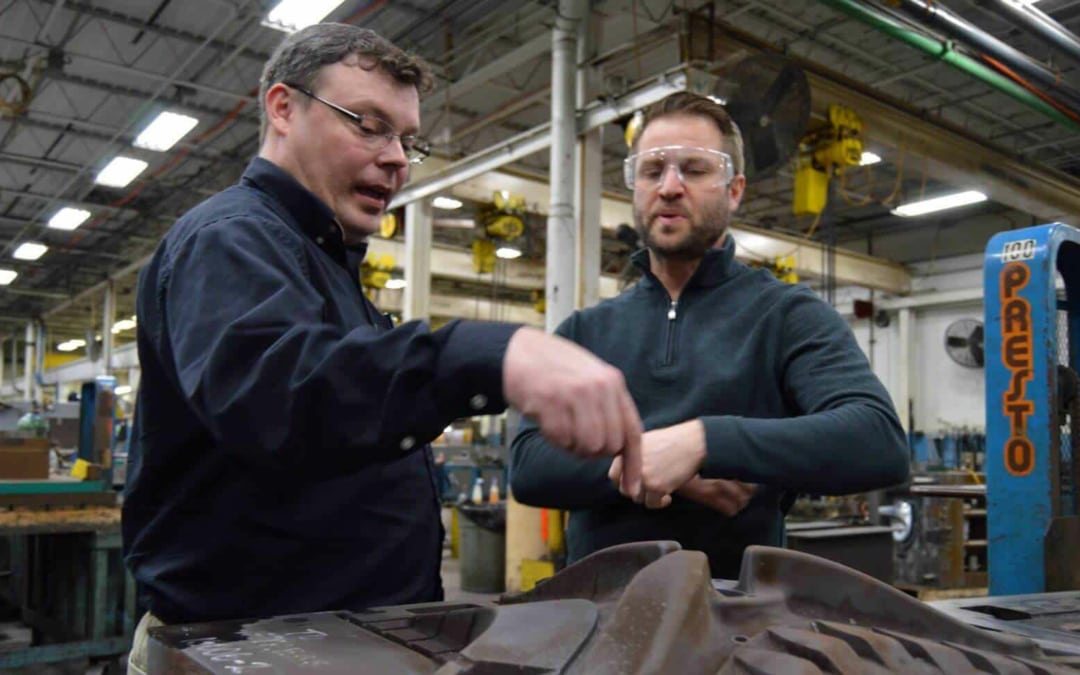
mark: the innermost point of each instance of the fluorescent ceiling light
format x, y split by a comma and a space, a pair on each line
292, 15
395, 284
120, 172
123, 324
507, 253
30, 250
122, 390
71, 345
939, 203
446, 203
68, 218
869, 158
165, 131
7, 276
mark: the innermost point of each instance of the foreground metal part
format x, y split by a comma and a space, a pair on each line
638, 608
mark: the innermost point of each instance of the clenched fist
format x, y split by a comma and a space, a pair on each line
579, 402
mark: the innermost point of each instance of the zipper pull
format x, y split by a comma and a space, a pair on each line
671, 310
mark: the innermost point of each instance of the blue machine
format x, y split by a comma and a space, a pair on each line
1032, 305
97, 421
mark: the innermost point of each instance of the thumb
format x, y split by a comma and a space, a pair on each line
615, 472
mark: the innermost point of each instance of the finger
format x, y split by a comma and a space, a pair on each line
614, 433
615, 472
630, 482
656, 500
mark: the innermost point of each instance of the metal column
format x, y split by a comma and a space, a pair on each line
588, 178
902, 386
524, 540
28, 363
108, 318
561, 224
418, 223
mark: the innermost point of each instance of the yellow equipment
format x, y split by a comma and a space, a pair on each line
782, 267
826, 150
388, 226
503, 220
375, 271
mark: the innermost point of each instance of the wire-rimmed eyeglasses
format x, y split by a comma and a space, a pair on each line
377, 132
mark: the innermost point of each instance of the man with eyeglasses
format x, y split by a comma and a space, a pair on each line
280, 459
751, 390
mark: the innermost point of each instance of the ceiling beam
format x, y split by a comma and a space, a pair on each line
157, 29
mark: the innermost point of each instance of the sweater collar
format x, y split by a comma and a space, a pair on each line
716, 266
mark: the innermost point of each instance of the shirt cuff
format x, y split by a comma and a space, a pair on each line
721, 441
471, 367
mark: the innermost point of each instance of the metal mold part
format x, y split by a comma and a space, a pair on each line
638, 608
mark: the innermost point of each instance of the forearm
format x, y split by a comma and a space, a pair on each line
850, 448
545, 476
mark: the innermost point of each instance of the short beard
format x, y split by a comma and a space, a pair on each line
702, 236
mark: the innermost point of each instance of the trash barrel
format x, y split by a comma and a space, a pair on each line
482, 547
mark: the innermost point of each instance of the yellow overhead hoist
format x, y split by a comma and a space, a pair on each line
497, 223
826, 151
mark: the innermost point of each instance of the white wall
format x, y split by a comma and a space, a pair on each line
943, 393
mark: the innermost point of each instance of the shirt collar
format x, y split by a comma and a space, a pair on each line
309, 214
715, 266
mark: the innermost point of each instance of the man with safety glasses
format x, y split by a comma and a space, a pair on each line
750, 389
279, 460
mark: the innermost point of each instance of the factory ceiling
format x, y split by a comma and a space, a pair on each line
79, 80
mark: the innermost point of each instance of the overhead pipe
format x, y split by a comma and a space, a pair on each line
945, 52
956, 27
1038, 23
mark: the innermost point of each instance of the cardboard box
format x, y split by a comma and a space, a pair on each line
24, 458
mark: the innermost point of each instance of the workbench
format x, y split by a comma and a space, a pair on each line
67, 580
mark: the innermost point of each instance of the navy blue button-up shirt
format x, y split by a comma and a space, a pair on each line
279, 458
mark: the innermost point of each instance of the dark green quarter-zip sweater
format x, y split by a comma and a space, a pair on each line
786, 396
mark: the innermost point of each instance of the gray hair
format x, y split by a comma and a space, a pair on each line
302, 55
696, 105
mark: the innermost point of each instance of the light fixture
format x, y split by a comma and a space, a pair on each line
446, 203
71, 345
30, 250
507, 253
395, 284
165, 131
7, 276
68, 218
122, 390
123, 324
292, 15
869, 158
941, 203
120, 171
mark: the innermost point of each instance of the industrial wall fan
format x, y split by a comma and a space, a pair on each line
964, 342
769, 98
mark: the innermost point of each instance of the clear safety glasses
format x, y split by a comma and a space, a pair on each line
700, 167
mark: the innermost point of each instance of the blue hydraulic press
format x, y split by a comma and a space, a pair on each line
1032, 305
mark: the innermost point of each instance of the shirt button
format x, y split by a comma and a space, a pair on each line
407, 443
478, 402
319, 241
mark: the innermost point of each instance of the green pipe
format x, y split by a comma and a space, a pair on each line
944, 51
